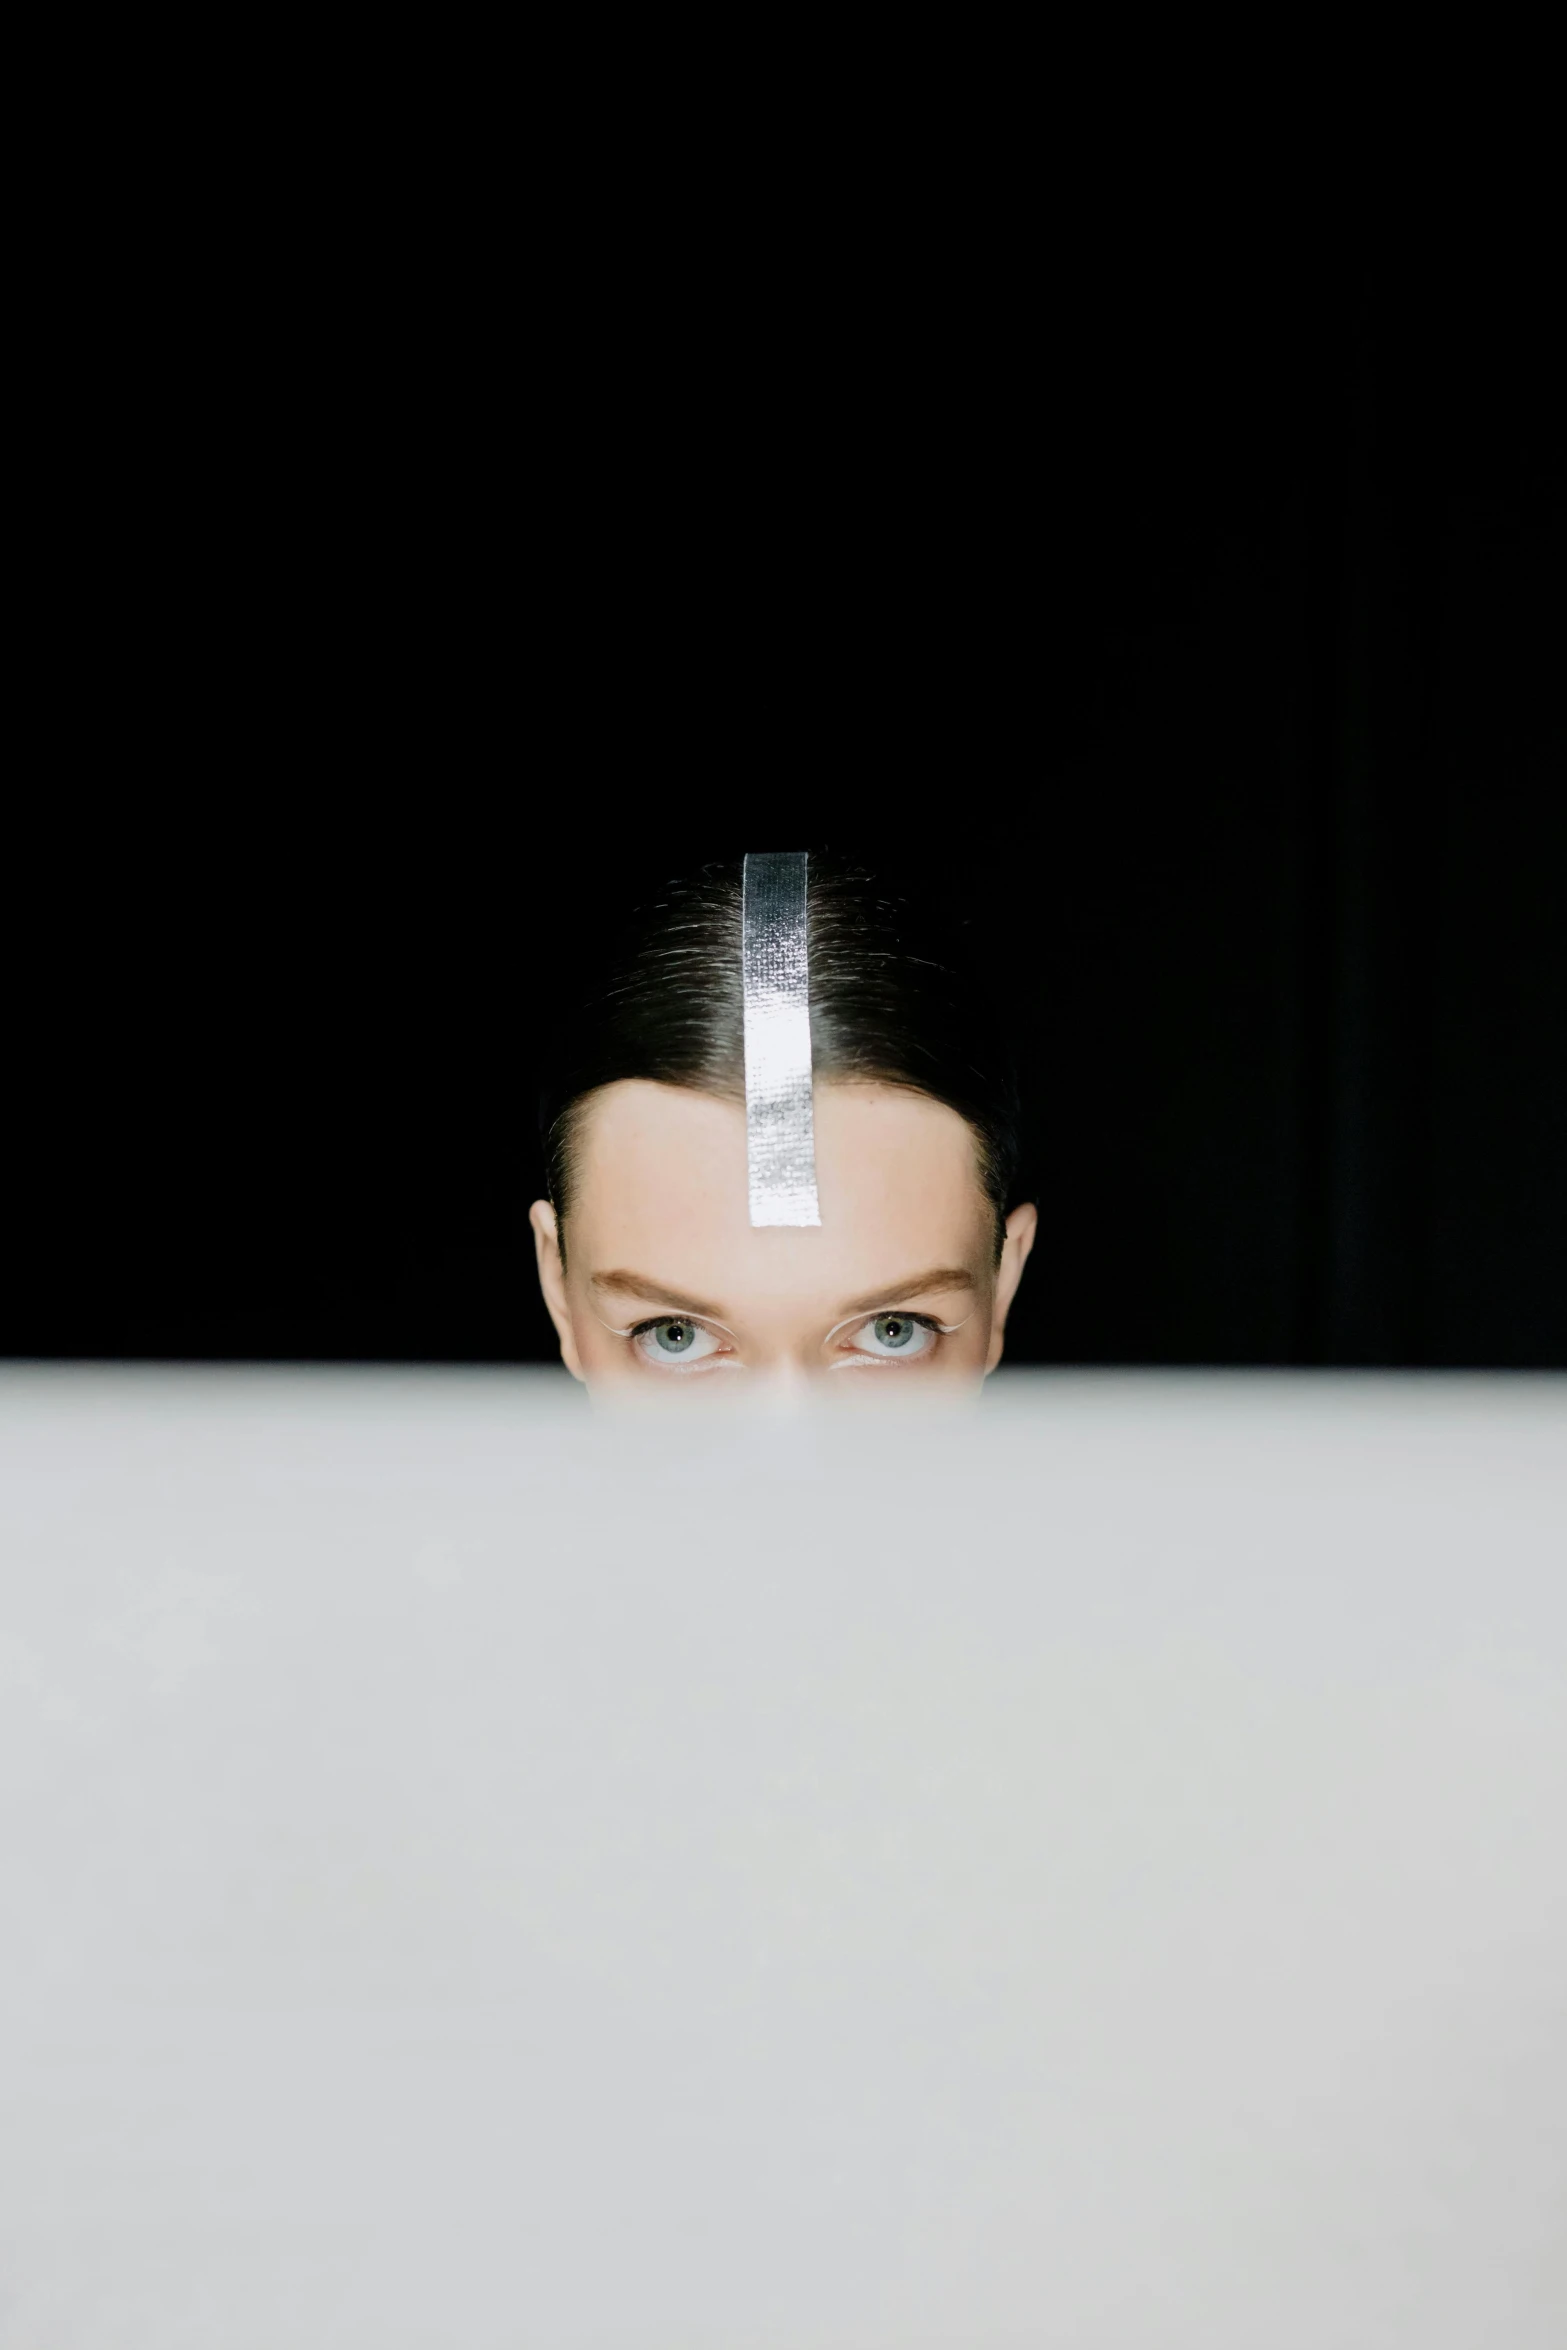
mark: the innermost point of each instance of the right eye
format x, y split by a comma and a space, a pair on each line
674, 1340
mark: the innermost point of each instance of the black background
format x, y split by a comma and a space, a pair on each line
1181, 597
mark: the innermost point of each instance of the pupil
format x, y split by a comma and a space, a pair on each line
676, 1334
894, 1330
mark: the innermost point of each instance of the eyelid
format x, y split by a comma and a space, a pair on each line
853, 1321
707, 1322
670, 1314
701, 1321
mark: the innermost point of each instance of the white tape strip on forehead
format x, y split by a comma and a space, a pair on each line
780, 1140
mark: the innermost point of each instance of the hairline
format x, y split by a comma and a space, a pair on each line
565, 1132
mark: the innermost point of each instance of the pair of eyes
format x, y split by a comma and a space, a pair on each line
677, 1339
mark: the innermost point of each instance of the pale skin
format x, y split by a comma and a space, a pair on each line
666, 1287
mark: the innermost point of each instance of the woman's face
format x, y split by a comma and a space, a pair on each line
668, 1288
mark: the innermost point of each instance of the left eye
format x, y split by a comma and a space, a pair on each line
892, 1337
675, 1338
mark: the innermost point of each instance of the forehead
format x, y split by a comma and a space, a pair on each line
660, 1185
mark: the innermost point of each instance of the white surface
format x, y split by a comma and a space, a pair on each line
472, 1877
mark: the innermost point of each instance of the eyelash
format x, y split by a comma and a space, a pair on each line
938, 1331
655, 1321
926, 1322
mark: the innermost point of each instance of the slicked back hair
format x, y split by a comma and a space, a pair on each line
892, 1001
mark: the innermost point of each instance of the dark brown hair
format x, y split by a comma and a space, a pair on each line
892, 999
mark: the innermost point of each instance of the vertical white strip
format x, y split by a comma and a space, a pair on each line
779, 1135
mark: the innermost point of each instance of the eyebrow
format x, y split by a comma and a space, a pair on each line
656, 1293
938, 1278
663, 1293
